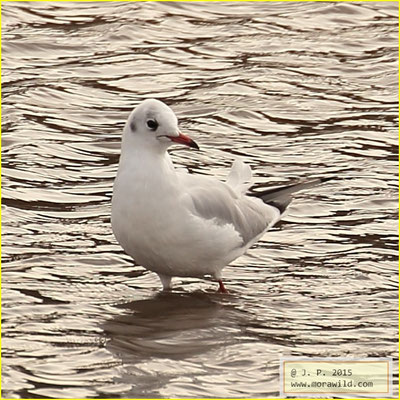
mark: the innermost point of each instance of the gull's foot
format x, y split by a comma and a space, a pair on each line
221, 288
166, 281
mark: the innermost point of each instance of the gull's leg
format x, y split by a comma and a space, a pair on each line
221, 288
166, 281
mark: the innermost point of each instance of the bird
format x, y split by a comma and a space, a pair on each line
178, 224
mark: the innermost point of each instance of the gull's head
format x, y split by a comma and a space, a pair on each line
154, 125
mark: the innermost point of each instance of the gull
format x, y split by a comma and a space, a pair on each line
179, 224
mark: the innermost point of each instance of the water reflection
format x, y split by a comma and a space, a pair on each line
180, 330
172, 325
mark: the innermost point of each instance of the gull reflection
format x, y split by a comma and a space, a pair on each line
173, 325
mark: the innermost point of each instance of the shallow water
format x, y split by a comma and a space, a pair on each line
296, 90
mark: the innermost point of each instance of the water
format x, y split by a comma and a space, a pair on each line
296, 90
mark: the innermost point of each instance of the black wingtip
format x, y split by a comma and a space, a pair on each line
280, 197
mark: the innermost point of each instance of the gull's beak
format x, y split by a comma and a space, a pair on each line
183, 139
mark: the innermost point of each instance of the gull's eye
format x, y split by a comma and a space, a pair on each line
152, 124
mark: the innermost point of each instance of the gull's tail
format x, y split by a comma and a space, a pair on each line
280, 197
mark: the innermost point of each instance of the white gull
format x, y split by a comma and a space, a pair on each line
179, 224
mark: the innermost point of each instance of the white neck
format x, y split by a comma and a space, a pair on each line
138, 163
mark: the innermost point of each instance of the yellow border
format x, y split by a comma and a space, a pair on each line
189, 1
204, 1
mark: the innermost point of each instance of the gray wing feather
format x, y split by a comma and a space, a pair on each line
225, 203
215, 200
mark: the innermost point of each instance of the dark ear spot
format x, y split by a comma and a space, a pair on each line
132, 126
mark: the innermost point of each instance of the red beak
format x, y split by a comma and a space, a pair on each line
183, 139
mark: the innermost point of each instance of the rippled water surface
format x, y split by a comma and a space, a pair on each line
296, 90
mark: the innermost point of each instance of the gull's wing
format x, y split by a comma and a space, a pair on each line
226, 203
217, 201
280, 197
240, 177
